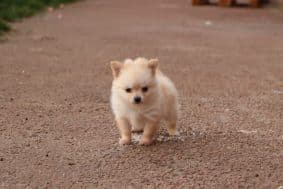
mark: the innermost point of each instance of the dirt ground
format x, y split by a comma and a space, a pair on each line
57, 129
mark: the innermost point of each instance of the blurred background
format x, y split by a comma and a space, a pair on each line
11, 10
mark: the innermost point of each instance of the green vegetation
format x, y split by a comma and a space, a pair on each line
4, 27
12, 10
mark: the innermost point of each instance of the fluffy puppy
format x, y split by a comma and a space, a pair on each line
142, 96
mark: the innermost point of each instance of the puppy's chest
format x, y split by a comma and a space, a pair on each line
151, 113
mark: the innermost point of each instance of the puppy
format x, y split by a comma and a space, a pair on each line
142, 96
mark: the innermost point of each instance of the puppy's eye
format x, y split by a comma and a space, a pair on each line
128, 90
144, 89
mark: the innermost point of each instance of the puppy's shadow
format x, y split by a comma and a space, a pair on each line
160, 138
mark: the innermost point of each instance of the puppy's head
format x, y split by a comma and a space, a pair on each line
134, 80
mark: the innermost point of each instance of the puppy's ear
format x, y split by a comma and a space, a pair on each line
116, 67
153, 64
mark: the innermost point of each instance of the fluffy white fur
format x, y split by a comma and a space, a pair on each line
158, 102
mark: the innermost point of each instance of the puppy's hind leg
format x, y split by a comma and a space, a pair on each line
172, 123
138, 124
171, 128
149, 131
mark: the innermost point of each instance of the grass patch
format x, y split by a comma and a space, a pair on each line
12, 10
4, 27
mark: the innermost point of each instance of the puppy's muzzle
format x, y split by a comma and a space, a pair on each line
137, 100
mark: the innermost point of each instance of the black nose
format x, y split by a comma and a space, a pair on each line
137, 99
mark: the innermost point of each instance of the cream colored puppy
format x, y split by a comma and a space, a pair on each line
141, 97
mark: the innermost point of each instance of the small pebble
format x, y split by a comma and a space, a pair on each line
208, 23
50, 9
60, 16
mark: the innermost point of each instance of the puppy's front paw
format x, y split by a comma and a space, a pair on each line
145, 141
124, 141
